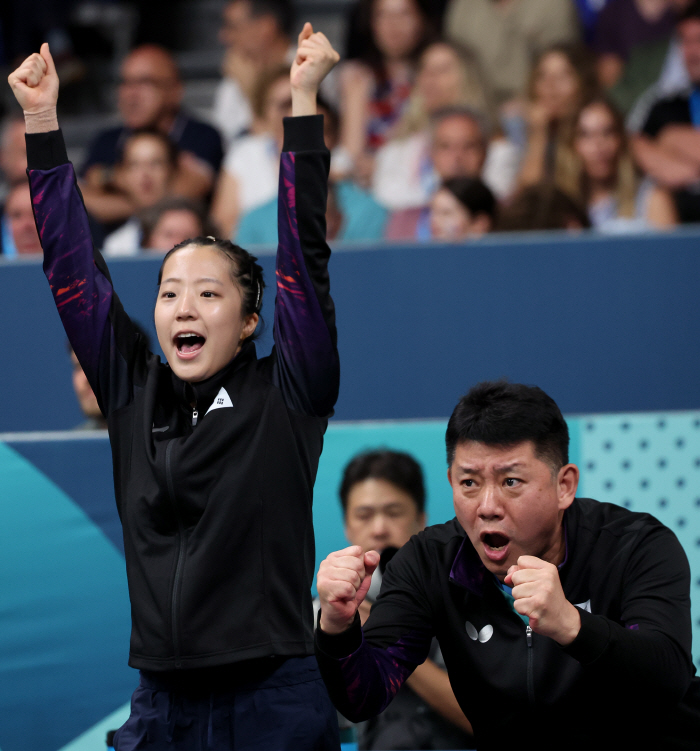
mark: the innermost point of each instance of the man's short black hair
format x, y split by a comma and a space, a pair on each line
473, 194
498, 413
396, 467
691, 12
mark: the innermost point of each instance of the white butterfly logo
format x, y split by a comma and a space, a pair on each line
483, 636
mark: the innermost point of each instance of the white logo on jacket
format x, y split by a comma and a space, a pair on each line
221, 401
483, 636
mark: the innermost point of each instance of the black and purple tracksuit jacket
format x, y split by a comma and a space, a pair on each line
626, 682
217, 516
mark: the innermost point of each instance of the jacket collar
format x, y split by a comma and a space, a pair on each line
204, 392
468, 571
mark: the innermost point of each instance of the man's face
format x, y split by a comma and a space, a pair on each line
243, 32
510, 503
18, 210
83, 391
458, 148
689, 32
173, 227
149, 88
381, 515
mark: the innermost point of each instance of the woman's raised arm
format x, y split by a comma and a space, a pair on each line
306, 368
103, 339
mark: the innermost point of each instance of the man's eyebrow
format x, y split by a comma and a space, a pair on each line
506, 468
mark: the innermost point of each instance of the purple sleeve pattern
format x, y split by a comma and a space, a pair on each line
367, 680
307, 359
83, 295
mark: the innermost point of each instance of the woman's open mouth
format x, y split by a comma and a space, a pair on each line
495, 546
188, 344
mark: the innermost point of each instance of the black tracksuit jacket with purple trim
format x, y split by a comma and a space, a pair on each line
217, 515
626, 682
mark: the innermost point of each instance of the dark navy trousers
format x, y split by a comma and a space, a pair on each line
287, 710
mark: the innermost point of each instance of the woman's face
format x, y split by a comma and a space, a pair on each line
597, 142
173, 227
198, 313
397, 27
146, 171
440, 77
557, 86
449, 219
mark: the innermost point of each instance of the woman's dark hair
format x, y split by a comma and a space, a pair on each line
396, 467
542, 207
473, 194
246, 272
371, 53
498, 413
691, 12
171, 149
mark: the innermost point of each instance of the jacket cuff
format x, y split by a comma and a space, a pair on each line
303, 133
46, 150
342, 645
592, 639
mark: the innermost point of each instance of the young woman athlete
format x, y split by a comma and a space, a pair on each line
215, 453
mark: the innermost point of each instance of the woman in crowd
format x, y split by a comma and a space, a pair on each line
249, 176
602, 176
145, 176
374, 91
462, 209
215, 453
563, 77
447, 77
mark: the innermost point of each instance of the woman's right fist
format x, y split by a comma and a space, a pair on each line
35, 83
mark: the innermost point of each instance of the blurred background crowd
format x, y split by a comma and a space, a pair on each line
446, 120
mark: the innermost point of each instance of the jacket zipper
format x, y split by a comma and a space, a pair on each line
175, 603
195, 415
530, 676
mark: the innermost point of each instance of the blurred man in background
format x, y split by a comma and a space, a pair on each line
19, 235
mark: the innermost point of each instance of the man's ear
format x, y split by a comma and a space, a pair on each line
567, 484
449, 475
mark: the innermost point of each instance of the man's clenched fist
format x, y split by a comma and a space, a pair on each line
538, 594
343, 580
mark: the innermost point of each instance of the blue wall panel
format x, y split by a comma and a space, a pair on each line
602, 324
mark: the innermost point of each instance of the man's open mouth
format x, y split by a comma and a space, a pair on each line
188, 342
495, 546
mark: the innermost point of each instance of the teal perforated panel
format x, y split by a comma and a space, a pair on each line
649, 462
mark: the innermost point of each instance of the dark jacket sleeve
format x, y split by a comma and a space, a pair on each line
363, 669
101, 334
647, 653
306, 365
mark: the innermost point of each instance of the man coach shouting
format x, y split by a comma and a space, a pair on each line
564, 623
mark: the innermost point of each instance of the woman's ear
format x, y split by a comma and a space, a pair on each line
249, 324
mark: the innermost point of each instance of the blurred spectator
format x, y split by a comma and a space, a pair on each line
150, 96
447, 78
257, 37
145, 176
383, 499
406, 181
19, 235
462, 209
668, 147
506, 35
250, 173
603, 177
624, 25
562, 79
13, 154
374, 91
171, 221
352, 214
542, 207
